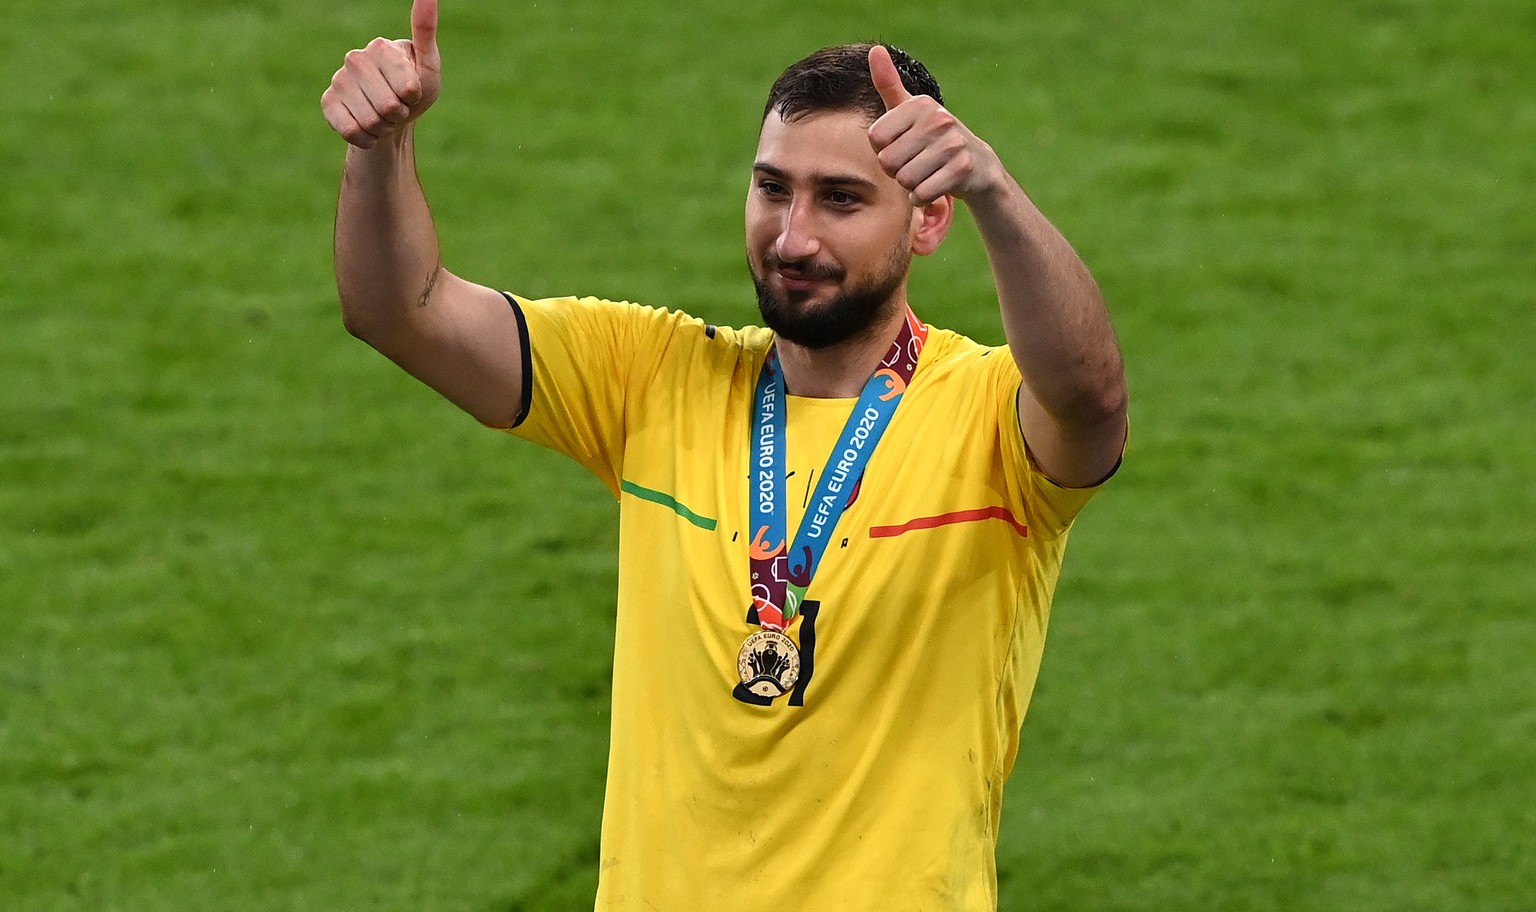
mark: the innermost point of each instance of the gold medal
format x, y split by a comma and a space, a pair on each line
769, 663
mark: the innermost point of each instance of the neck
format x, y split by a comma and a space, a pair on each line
839, 371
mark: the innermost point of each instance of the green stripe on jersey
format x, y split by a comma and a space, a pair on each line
667, 500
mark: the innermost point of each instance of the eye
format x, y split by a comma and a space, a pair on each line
841, 198
771, 188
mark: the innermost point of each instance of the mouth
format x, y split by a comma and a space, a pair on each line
793, 281
802, 277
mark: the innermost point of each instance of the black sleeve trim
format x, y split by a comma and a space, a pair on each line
1101, 482
522, 338
1018, 419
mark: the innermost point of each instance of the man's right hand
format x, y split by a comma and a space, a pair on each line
388, 84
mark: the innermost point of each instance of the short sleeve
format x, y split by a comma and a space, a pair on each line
1049, 507
584, 359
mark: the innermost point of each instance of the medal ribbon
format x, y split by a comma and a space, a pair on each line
781, 575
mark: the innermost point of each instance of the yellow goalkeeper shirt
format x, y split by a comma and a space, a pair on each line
920, 638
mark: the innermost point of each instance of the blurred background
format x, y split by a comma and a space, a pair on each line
281, 630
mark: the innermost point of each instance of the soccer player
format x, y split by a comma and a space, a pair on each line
839, 534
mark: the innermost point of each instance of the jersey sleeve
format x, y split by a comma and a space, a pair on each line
585, 361
1049, 507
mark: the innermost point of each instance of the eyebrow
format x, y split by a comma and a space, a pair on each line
825, 180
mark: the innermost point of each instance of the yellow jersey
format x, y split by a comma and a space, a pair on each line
920, 638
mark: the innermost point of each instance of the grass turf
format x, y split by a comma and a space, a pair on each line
279, 630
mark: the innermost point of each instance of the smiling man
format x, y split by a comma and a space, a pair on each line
839, 534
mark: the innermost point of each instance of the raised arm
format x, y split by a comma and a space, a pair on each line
1072, 404
460, 338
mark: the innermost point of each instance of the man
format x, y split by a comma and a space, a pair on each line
839, 536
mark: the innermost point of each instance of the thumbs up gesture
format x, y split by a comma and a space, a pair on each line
923, 146
388, 84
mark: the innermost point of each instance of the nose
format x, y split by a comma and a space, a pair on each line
797, 238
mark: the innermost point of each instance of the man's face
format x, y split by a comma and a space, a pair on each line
829, 234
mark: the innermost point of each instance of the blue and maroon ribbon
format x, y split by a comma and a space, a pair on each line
781, 575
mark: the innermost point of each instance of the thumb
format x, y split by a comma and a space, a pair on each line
882, 70
424, 34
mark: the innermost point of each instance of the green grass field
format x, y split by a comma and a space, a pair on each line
280, 630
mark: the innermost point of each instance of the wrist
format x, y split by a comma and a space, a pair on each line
995, 189
388, 156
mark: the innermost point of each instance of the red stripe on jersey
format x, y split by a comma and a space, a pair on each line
949, 519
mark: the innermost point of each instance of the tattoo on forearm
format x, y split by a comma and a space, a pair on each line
426, 293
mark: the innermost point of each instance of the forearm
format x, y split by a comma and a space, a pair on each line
1053, 313
387, 255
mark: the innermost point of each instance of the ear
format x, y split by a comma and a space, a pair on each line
930, 224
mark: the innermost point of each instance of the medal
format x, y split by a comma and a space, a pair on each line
769, 663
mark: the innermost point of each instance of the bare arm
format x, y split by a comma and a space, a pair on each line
457, 337
1072, 403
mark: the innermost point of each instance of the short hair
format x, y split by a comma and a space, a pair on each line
837, 79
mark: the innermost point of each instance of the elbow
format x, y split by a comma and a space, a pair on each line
1111, 396
360, 322
354, 324
1098, 404
1113, 400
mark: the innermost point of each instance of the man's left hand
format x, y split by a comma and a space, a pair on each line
923, 146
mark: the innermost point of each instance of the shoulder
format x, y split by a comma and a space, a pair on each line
967, 387
589, 314
643, 343
950, 355
591, 311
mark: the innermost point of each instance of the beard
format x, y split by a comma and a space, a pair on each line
853, 312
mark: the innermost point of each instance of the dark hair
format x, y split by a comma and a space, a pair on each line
837, 79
